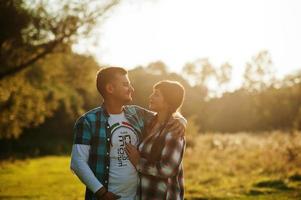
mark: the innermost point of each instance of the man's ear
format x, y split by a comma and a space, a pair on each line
109, 88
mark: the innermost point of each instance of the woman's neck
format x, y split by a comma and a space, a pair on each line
162, 117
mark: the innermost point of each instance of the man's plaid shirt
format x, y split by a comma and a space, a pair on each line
93, 129
162, 179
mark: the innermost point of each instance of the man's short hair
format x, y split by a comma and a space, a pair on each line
107, 75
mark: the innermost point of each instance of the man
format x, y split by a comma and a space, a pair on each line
98, 153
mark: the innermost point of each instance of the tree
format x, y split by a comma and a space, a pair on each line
158, 67
30, 97
259, 72
224, 74
202, 71
39, 73
32, 30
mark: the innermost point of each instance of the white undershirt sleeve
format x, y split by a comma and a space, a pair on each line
79, 165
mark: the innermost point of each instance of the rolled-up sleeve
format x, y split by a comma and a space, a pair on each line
82, 131
80, 154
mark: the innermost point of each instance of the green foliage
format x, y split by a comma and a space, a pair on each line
49, 80
60, 81
263, 103
31, 30
67, 82
39, 74
243, 110
231, 113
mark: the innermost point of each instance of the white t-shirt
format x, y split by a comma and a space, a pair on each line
123, 177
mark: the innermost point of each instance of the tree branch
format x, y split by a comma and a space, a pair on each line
50, 46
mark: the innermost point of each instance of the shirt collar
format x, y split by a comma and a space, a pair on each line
124, 109
105, 112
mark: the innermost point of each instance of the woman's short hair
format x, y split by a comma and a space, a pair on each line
173, 93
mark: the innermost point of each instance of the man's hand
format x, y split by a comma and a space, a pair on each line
110, 196
103, 194
177, 126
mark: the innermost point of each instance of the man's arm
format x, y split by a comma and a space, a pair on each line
79, 164
145, 114
181, 118
178, 123
80, 155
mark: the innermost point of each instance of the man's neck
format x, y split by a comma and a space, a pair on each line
113, 107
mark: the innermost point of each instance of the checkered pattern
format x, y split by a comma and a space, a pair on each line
162, 179
93, 129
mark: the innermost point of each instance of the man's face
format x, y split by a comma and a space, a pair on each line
121, 88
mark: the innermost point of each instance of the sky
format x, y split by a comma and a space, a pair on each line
180, 31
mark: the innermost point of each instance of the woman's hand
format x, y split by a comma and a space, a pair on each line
133, 154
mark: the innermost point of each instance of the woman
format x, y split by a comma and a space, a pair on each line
159, 159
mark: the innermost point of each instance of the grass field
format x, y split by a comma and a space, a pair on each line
217, 166
244, 166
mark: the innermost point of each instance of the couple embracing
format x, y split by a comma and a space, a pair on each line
126, 152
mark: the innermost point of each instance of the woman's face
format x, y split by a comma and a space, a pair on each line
156, 101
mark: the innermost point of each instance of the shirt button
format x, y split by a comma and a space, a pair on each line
106, 181
107, 167
108, 139
108, 126
108, 153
